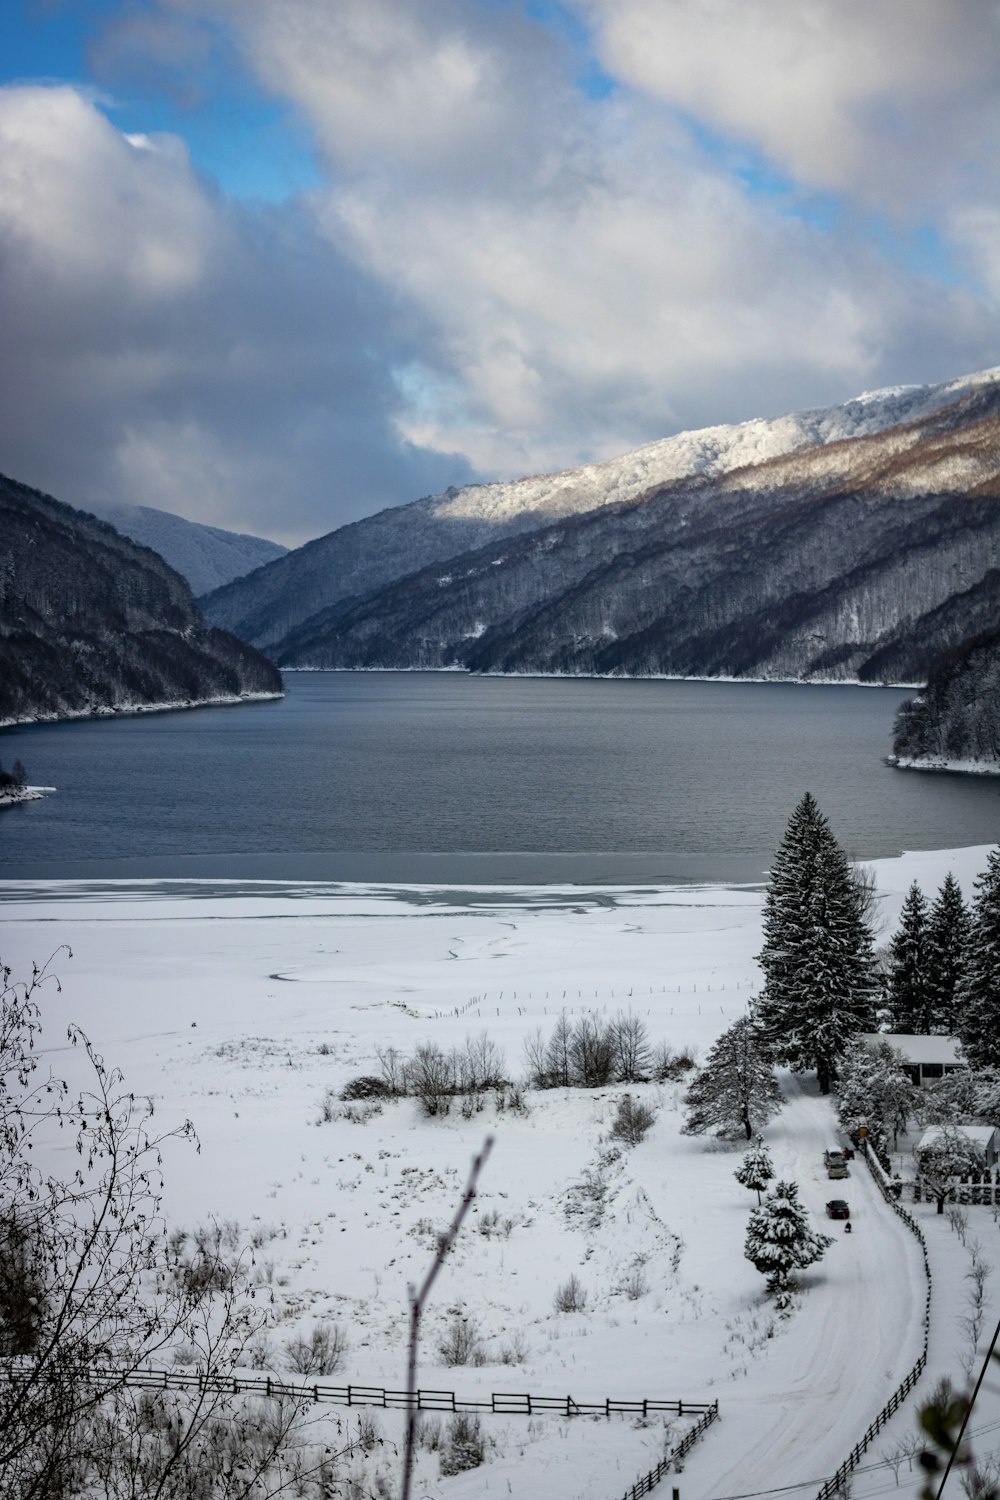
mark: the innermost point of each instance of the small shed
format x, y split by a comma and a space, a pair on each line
986, 1139
926, 1058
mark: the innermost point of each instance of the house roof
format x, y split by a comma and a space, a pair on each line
919, 1049
982, 1135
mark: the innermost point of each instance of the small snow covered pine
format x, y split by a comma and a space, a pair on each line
736, 1091
780, 1241
756, 1169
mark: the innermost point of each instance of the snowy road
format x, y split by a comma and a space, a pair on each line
855, 1335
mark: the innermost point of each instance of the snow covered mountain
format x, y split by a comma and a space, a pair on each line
276, 600
205, 555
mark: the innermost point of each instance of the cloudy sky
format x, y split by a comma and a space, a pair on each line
276, 265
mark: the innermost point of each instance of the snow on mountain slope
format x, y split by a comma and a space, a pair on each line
268, 605
205, 555
709, 450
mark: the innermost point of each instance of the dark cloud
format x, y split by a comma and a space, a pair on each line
167, 347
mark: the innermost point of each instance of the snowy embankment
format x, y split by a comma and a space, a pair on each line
941, 763
11, 796
117, 710
245, 1012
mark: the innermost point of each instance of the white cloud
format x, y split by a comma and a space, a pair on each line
168, 348
895, 103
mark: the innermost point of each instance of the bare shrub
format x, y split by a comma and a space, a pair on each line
393, 1066
322, 1353
493, 1224
462, 1343
571, 1296
465, 1444
633, 1120
427, 1432
630, 1050
591, 1053
635, 1284
327, 1108
514, 1349
670, 1066
359, 1113
429, 1076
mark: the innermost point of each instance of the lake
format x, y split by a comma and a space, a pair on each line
448, 778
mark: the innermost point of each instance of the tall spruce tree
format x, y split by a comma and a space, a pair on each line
820, 983
948, 926
909, 991
979, 996
735, 1092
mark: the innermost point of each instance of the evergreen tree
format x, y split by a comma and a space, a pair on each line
779, 1239
756, 1169
819, 970
909, 986
736, 1090
948, 927
979, 997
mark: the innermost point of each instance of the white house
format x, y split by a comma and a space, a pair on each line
927, 1058
986, 1139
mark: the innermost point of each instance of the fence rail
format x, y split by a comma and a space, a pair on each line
649, 1481
835, 1484
499, 1403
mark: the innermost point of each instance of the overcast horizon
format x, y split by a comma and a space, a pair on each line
277, 267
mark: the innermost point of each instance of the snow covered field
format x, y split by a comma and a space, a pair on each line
242, 1011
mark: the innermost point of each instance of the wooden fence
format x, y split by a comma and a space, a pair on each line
498, 1403
649, 1481
835, 1484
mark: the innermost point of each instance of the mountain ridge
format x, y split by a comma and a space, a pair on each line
271, 603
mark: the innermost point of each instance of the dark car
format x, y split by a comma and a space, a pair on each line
838, 1208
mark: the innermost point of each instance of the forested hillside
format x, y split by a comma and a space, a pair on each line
90, 622
956, 718
855, 560
288, 607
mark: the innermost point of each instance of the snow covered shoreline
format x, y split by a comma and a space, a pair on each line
935, 763
628, 677
12, 796
120, 710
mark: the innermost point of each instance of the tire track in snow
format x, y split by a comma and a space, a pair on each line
854, 1336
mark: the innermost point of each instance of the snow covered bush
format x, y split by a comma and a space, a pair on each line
779, 1240
366, 1087
464, 1445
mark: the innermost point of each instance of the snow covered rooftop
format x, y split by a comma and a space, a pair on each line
981, 1135
919, 1049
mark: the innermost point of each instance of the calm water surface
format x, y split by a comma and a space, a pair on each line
443, 777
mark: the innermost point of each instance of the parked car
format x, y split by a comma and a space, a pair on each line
838, 1208
836, 1164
